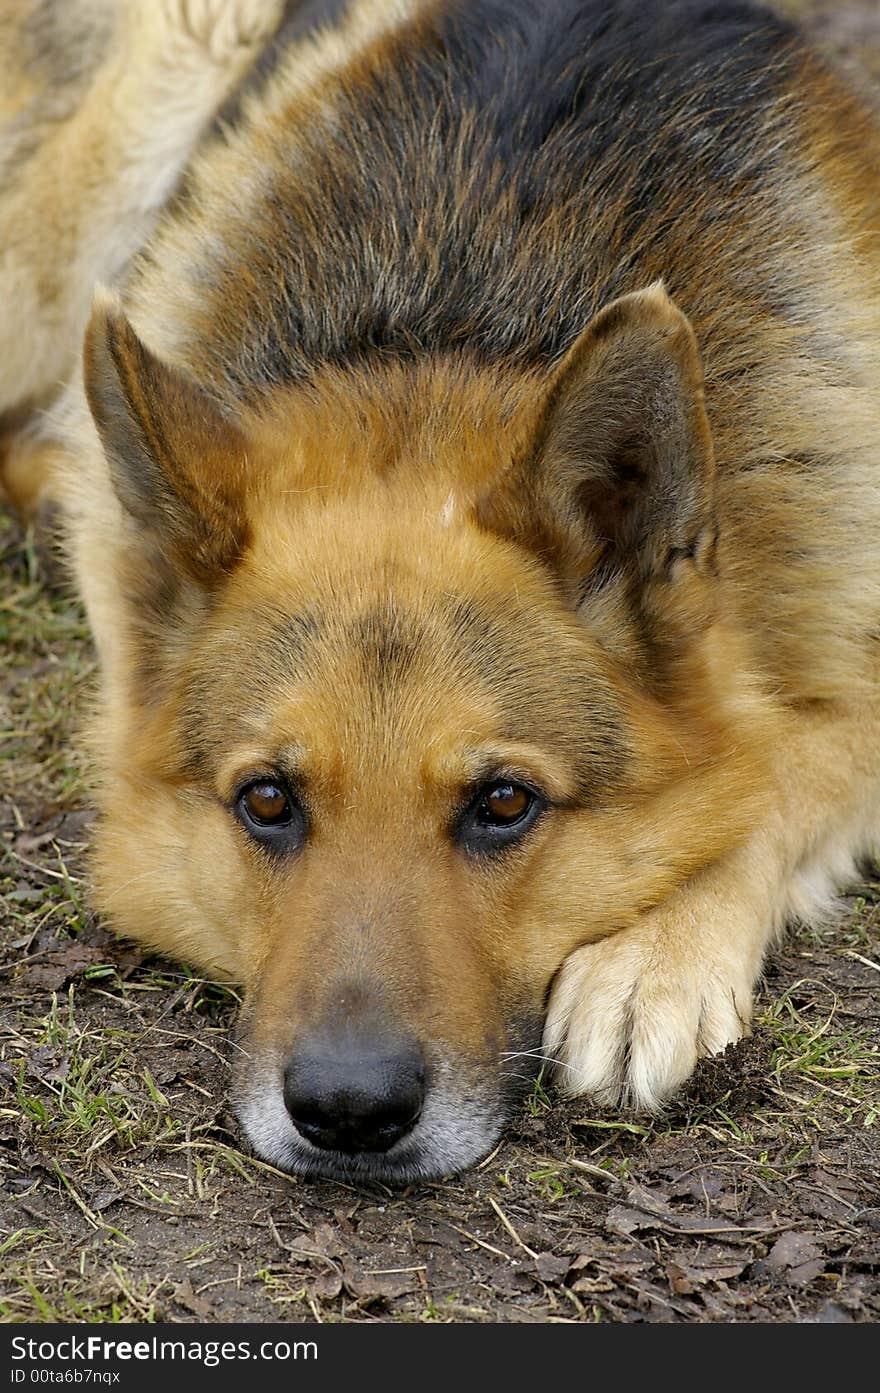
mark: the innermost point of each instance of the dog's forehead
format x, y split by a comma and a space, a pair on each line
378, 673
407, 650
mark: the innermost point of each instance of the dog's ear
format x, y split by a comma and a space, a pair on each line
617, 486
177, 462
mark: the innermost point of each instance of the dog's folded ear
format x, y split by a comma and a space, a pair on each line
177, 461
617, 485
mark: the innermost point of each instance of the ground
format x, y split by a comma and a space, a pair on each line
126, 1193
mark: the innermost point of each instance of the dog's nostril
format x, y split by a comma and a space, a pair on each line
359, 1098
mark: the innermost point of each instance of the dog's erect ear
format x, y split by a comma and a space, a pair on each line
618, 483
177, 462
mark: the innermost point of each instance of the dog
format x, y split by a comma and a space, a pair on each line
472, 476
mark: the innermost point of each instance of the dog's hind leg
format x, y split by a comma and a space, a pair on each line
631, 1014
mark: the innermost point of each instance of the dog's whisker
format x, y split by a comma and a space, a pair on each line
537, 1056
126, 885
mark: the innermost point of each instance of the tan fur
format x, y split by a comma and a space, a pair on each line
291, 578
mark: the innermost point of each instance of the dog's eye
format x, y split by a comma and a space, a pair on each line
267, 804
271, 814
500, 815
504, 805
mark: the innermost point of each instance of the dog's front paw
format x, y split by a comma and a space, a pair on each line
223, 29
630, 1016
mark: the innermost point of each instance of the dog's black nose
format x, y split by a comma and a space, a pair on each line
355, 1094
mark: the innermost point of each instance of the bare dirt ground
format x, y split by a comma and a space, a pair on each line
125, 1194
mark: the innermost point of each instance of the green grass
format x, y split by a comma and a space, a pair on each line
823, 1061
110, 1296
46, 666
94, 1099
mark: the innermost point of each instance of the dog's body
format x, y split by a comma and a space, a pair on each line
472, 664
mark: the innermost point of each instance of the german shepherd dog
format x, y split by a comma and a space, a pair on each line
473, 481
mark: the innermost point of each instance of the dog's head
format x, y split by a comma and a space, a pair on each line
415, 684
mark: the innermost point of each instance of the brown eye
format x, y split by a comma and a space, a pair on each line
505, 803
272, 815
267, 803
499, 816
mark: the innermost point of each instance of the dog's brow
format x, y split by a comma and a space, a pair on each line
294, 633
388, 641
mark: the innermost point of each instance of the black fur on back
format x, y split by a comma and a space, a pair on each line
500, 169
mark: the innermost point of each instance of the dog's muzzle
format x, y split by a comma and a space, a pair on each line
354, 1096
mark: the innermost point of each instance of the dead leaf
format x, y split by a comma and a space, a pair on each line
429, 1231
728, 1204
127, 961
698, 1183
327, 1285
792, 1249
832, 1314
370, 1286
324, 1241
652, 1202
807, 1272
49, 1064
166, 1065
190, 1301
103, 1199
625, 1221
55, 969
551, 1268
591, 1286
679, 1280
689, 1272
